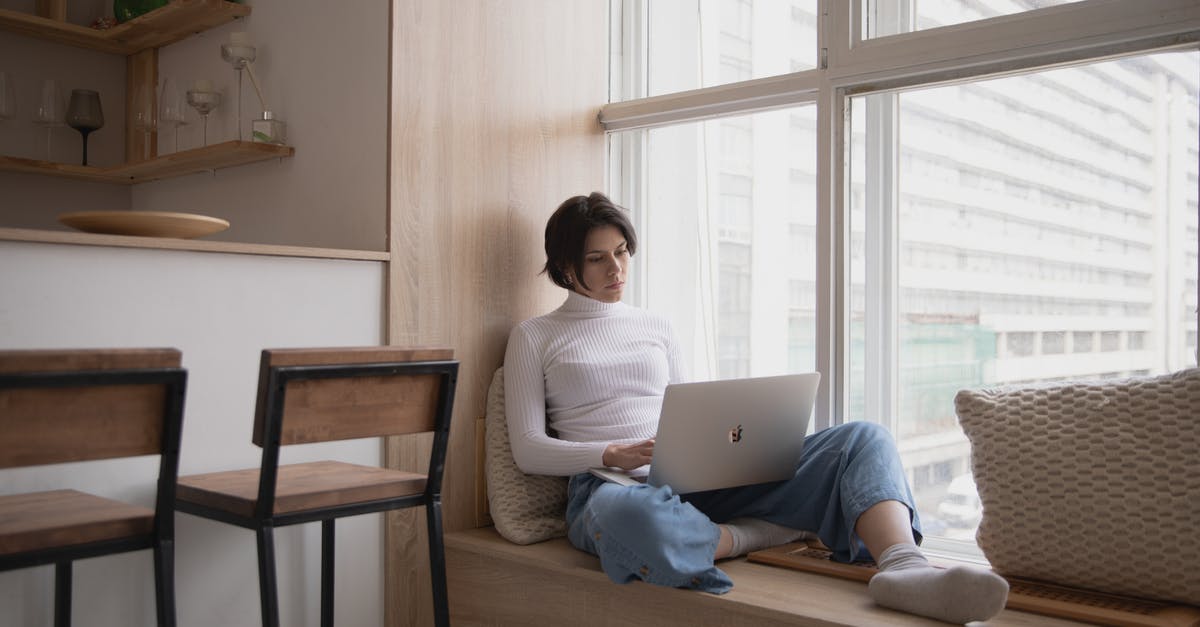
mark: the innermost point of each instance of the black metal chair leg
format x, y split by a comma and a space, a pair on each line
62, 594
164, 582
327, 547
437, 564
266, 576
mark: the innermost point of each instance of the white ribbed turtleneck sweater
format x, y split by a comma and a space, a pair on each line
594, 373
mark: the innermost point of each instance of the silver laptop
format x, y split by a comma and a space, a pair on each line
721, 434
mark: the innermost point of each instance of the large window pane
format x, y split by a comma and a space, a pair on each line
689, 44
892, 17
1031, 228
728, 240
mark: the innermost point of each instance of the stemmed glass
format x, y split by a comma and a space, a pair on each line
49, 112
203, 99
145, 116
171, 109
84, 114
239, 53
8, 97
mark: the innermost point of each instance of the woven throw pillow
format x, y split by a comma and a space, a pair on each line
1091, 484
525, 508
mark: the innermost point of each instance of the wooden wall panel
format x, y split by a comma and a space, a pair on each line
493, 122
141, 72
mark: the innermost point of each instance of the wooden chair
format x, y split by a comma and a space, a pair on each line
319, 395
83, 405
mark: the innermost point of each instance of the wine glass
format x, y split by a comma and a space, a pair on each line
145, 118
49, 112
170, 112
8, 97
203, 99
239, 53
84, 114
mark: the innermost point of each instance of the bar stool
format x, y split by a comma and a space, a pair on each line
321, 395
84, 405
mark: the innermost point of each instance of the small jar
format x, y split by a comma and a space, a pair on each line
268, 130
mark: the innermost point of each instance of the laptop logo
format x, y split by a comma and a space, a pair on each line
735, 435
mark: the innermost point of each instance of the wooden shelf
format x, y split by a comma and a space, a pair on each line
171, 23
206, 159
73, 238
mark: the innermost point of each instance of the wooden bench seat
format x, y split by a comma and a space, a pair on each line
300, 487
495, 582
41, 520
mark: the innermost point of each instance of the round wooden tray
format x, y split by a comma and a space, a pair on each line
144, 223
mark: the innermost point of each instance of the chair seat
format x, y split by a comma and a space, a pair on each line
299, 487
42, 520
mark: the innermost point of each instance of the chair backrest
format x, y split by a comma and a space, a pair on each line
89, 404
324, 394
327, 394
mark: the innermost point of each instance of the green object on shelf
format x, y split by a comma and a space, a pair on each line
125, 10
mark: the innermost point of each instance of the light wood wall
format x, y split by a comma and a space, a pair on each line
493, 122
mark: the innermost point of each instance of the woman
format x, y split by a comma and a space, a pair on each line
593, 372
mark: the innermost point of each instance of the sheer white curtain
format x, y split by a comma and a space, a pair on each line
675, 271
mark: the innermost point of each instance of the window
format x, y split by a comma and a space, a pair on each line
914, 214
1020, 343
729, 246
702, 43
1054, 342
889, 17
1082, 341
1027, 269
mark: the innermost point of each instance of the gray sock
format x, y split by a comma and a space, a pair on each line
755, 534
960, 594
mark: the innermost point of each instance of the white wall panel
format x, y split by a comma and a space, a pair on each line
220, 310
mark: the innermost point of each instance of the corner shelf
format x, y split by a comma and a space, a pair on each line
138, 39
173, 22
206, 159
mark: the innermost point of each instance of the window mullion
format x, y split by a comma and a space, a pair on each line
835, 34
831, 304
627, 167
881, 275
832, 301
629, 50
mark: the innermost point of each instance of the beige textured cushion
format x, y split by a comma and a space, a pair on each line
1091, 484
525, 508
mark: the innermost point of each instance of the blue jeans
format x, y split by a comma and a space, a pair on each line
652, 534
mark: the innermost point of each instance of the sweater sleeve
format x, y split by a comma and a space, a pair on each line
678, 373
534, 451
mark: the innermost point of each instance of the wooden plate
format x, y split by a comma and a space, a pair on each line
144, 223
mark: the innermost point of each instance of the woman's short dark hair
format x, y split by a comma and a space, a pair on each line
567, 231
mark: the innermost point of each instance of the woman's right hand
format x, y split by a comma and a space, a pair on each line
628, 456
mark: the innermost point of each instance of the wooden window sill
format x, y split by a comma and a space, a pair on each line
493, 581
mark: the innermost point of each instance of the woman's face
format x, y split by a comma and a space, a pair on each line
605, 263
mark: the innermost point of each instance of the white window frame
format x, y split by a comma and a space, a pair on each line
1088, 30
